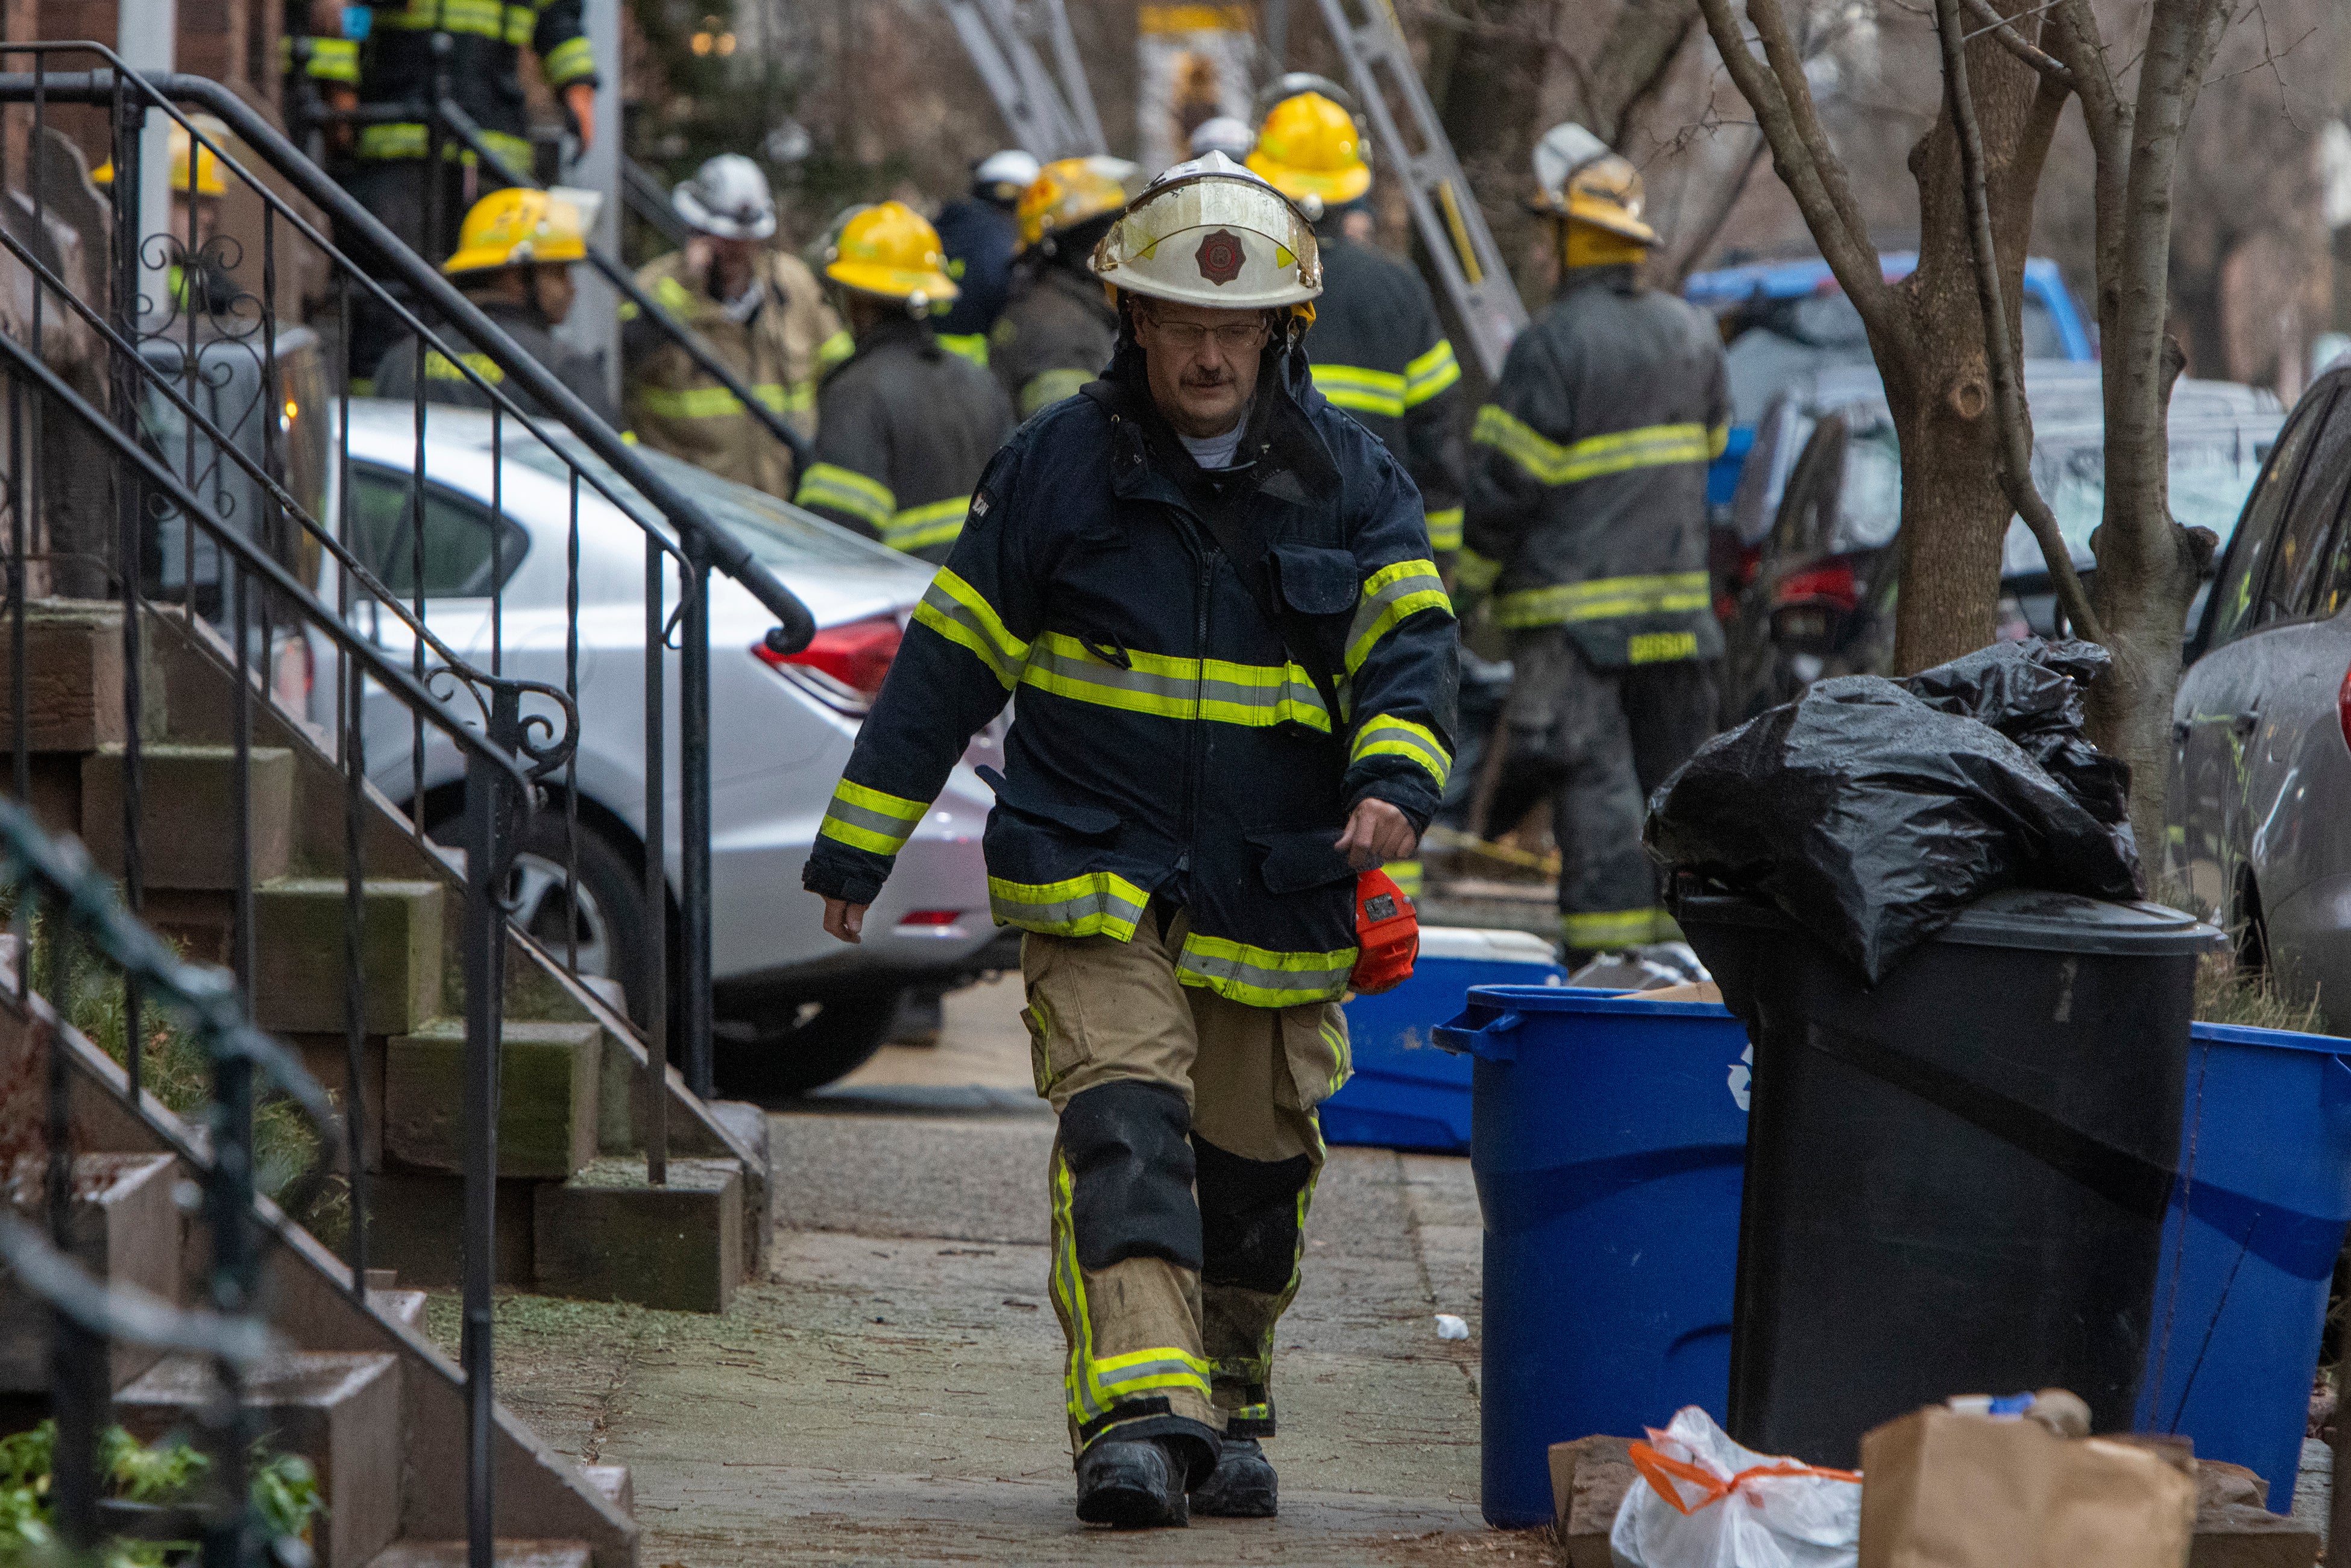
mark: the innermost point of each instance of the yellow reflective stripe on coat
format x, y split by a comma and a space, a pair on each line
410, 140
1098, 903
1360, 391
972, 346
1383, 735
717, 402
1619, 452
1475, 572
1406, 876
1431, 373
1047, 388
1261, 976
1092, 1385
1607, 598
481, 18
438, 368
1254, 695
331, 59
847, 490
569, 61
870, 818
1391, 595
1445, 530
955, 611
834, 349
933, 523
1609, 927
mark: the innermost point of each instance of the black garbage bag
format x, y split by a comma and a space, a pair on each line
2032, 693
1874, 814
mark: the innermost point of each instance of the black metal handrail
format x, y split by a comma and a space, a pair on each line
713, 544
82, 906
510, 753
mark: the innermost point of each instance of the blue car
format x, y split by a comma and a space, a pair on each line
1786, 319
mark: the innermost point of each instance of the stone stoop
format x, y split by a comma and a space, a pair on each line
339, 1409
126, 1231
509, 1554
569, 1083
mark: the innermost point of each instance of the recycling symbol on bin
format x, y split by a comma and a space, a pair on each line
1741, 1075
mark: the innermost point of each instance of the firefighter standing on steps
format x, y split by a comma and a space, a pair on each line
1173, 568
397, 66
755, 307
1377, 348
1586, 521
904, 426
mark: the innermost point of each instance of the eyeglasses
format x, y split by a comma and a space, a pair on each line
1187, 337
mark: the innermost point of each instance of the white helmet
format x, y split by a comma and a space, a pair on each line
1002, 176
1211, 233
728, 196
1224, 134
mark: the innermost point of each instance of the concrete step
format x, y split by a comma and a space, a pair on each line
74, 667
185, 794
339, 1409
548, 1076
606, 1235
510, 1554
298, 983
126, 1230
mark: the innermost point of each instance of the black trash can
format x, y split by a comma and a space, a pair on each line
1955, 1183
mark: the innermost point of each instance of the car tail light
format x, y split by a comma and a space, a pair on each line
842, 666
1831, 586
931, 917
2342, 707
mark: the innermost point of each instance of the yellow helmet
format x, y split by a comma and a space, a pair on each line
1070, 190
891, 250
1578, 178
1310, 146
208, 169
514, 227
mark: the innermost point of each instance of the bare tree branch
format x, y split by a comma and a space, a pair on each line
2012, 426
2012, 40
1691, 246
1845, 242
1632, 59
1787, 62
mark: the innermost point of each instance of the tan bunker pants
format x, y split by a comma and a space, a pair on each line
1188, 1153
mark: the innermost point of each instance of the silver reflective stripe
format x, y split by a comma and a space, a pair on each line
882, 822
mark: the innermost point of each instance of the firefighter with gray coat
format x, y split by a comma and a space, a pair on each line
1586, 524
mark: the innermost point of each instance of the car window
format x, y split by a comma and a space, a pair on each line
2231, 608
2302, 539
2042, 338
460, 557
780, 537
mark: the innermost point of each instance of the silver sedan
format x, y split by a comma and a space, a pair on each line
795, 1007
2260, 788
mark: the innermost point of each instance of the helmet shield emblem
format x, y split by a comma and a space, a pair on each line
1220, 257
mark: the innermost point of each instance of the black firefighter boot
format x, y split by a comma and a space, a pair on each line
1134, 1485
1242, 1485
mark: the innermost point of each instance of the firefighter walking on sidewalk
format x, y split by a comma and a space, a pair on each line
904, 426
1586, 522
1235, 663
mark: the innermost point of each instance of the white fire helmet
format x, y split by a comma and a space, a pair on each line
1211, 233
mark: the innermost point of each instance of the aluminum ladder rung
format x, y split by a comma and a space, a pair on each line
1445, 212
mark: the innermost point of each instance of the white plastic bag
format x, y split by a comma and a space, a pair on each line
1703, 1501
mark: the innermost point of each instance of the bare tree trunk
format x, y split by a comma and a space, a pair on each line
2148, 565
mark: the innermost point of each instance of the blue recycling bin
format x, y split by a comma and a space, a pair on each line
1610, 1136
2257, 1218
1406, 1093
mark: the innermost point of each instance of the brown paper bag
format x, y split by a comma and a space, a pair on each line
1941, 1489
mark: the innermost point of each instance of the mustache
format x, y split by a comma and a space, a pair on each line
1204, 376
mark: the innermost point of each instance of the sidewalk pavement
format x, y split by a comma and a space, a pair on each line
892, 1391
